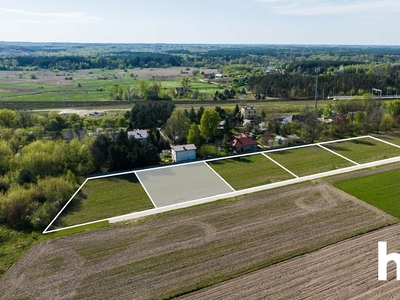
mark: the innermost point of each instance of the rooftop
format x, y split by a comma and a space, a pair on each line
180, 148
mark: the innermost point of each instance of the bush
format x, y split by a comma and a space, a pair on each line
208, 150
26, 176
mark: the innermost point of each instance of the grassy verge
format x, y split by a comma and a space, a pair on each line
249, 171
105, 198
364, 150
309, 160
380, 190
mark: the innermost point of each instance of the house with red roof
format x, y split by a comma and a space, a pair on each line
242, 143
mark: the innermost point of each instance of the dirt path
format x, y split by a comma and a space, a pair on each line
181, 250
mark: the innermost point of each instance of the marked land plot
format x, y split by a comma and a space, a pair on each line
249, 171
393, 137
104, 198
173, 185
309, 160
364, 150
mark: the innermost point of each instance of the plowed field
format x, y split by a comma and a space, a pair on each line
184, 250
346, 270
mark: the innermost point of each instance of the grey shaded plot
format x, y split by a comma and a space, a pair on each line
167, 186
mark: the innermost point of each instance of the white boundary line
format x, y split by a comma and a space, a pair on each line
219, 176
344, 140
362, 166
280, 165
383, 141
169, 166
66, 204
111, 175
348, 159
148, 194
252, 190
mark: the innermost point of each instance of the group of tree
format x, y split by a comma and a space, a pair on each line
340, 83
119, 152
39, 171
143, 91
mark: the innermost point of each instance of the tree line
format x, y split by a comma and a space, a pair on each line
39, 171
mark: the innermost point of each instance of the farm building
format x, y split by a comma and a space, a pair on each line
242, 143
183, 153
139, 134
249, 112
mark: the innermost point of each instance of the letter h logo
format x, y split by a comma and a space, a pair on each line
384, 259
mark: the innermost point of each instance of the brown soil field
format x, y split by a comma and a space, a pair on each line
180, 251
346, 270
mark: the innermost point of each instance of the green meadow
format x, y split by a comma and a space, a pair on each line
249, 171
105, 198
309, 160
380, 190
364, 150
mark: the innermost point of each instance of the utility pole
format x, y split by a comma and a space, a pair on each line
316, 87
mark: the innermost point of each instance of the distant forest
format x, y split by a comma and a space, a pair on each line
343, 70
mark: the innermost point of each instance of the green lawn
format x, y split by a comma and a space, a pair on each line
380, 190
105, 198
309, 160
391, 137
364, 150
249, 171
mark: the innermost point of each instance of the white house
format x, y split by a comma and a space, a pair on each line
183, 153
249, 112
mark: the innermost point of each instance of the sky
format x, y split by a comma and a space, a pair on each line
333, 22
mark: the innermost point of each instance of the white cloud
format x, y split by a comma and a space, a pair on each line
332, 7
49, 17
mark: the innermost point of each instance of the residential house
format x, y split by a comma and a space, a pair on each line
139, 134
179, 91
182, 153
249, 112
243, 143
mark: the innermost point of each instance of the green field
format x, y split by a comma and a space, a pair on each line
364, 150
249, 171
105, 198
381, 190
309, 160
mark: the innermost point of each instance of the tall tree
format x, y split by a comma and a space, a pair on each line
185, 83
194, 136
177, 125
209, 123
8, 118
